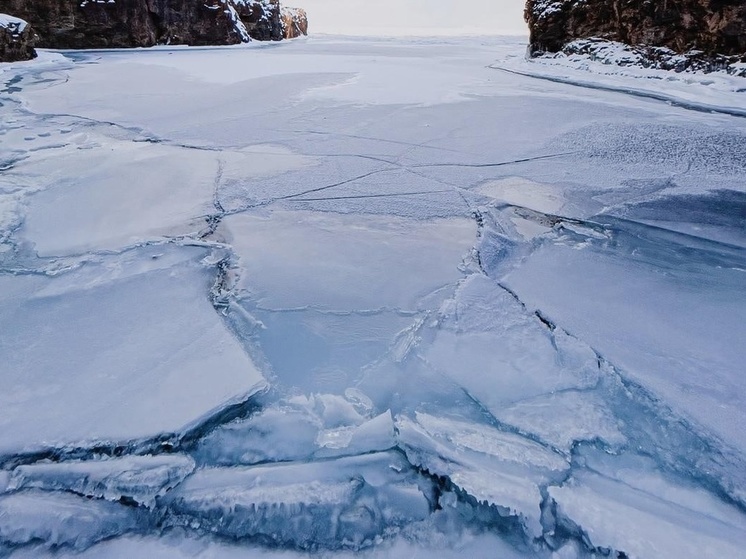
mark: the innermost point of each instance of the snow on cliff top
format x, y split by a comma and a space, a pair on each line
14, 24
544, 8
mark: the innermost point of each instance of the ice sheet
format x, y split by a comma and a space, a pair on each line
646, 522
119, 349
499, 353
526, 274
116, 194
345, 263
634, 298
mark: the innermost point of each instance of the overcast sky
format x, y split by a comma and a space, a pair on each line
396, 17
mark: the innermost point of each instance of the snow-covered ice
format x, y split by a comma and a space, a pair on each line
615, 67
370, 297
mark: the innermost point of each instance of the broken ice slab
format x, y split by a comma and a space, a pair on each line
124, 347
275, 434
328, 261
303, 428
563, 418
524, 193
61, 520
376, 434
136, 479
120, 193
333, 291
115, 196
493, 467
632, 508
717, 215
488, 343
347, 502
666, 309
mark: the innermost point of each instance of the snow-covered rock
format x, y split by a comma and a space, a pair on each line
16, 39
139, 23
681, 25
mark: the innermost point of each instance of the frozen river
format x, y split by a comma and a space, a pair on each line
371, 297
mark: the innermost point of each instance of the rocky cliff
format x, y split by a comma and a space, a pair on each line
294, 22
16, 39
712, 26
143, 23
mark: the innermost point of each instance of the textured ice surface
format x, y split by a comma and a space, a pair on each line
645, 515
119, 348
500, 353
478, 545
321, 426
633, 294
138, 479
563, 418
59, 519
496, 468
346, 502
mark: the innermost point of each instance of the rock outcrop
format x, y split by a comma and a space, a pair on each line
294, 22
261, 17
144, 23
711, 26
16, 39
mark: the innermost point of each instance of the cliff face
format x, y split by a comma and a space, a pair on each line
143, 23
16, 39
713, 26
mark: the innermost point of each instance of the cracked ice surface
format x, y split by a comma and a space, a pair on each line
365, 298
113, 349
651, 289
